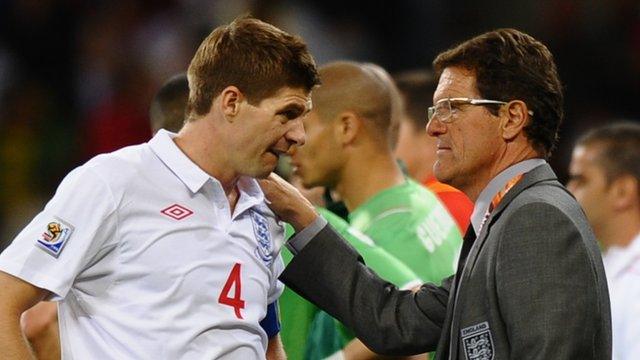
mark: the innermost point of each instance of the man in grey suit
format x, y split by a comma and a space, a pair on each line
531, 284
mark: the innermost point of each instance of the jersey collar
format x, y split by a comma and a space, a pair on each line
170, 154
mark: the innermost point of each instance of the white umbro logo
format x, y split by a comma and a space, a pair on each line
177, 212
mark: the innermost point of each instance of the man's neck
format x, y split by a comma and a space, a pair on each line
480, 181
195, 141
365, 176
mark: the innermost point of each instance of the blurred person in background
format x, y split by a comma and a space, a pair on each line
348, 149
134, 244
417, 149
169, 104
605, 178
528, 253
305, 333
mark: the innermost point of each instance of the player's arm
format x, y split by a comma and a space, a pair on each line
15, 298
275, 350
40, 326
271, 325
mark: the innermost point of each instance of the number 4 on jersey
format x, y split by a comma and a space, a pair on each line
234, 281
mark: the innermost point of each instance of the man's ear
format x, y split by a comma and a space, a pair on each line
230, 100
624, 189
347, 124
516, 117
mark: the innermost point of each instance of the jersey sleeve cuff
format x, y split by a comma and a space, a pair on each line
271, 322
58, 291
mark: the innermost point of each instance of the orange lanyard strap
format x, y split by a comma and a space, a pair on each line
500, 195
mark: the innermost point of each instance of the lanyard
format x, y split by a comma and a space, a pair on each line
495, 201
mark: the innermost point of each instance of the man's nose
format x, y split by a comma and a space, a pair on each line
296, 134
435, 127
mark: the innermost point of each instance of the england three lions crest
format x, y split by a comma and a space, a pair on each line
55, 237
477, 342
264, 250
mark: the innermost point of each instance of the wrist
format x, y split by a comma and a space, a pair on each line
301, 219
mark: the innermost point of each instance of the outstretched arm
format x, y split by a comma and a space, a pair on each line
330, 273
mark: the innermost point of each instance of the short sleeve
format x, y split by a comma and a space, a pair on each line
57, 245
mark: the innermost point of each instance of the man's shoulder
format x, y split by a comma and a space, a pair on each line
546, 195
121, 164
546, 203
409, 195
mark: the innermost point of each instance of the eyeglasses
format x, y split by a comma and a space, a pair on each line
445, 108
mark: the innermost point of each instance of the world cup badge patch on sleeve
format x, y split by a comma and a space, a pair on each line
264, 250
55, 237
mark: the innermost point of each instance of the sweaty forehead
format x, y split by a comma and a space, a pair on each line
456, 82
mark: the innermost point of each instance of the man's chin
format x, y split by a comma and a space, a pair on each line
442, 175
264, 173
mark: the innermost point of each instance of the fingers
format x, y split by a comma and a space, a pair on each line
287, 202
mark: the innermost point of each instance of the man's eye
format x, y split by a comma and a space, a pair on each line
291, 114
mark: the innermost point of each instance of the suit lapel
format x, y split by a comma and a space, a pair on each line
538, 174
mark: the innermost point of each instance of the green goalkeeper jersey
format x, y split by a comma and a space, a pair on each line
410, 223
297, 314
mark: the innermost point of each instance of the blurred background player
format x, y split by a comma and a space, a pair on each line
417, 149
303, 334
605, 178
167, 111
348, 149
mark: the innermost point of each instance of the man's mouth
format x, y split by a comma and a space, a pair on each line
276, 152
295, 167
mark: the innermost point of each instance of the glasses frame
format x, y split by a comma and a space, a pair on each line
431, 110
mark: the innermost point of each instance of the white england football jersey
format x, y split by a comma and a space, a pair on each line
147, 261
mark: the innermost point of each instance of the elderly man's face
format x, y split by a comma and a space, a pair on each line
468, 144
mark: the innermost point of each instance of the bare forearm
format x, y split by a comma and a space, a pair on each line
16, 297
275, 350
12, 342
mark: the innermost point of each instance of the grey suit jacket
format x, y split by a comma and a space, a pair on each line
532, 287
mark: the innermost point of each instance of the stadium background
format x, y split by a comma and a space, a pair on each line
76, 77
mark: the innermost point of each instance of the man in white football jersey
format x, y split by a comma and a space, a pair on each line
166, 250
